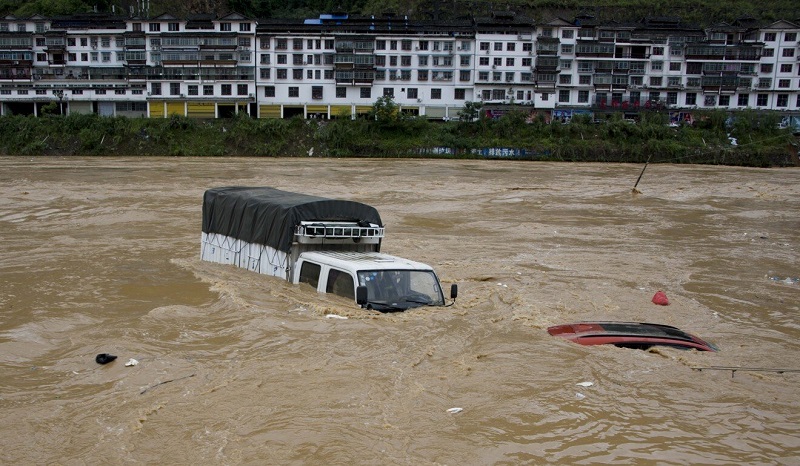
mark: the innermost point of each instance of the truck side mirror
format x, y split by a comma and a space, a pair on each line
361, 295
453, 291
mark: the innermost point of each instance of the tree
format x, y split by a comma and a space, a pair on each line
384, 110
470, 112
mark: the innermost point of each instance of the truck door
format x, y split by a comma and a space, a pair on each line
341, 284
309, 273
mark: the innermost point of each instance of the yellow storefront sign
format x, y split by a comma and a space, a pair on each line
269, 111
156, 109
201, 110
176, 108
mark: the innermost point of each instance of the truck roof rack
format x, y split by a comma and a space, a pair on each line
308, 231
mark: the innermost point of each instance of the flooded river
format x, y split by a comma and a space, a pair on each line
101, 255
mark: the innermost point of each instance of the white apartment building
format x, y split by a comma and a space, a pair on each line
337, 66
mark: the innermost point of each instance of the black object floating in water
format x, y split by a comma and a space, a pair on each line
104, 358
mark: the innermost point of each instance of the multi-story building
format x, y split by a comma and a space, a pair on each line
337, 66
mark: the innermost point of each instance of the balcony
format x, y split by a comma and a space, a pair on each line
627, 104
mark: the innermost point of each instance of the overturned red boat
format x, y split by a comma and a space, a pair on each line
636, 335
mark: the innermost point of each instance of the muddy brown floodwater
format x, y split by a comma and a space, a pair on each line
101, 255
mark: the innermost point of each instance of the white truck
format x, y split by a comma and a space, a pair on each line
330, 244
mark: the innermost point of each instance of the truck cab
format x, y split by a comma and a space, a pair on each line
376, 281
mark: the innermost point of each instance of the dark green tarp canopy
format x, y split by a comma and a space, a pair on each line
268, 216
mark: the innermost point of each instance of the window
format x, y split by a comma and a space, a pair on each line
483, 45
155, 88
269, 91
783, 83
281, 73
241, 89
563, 96
766, 67
790, 37
788, 52
675, 66
657, 66
497, 62
341, 92
483, 61
388, 92
436, 94
769, 37
316, 92
192, 89
208, 89
527, 47
294, 91
340, 283
511, 46
464, 75
744, 100
583, 97
460, 94
567, 48
567, 34
768, 53
585, 80
265, 73
565, 79
655, 81
155, 27
226, 89
691, 98
783, 100
309, 273
498, 46
392, 45
244, 27
509, 61
724, 100
225, 27
786, 68
658, 50
762, 100
174, 88
672, 98
412, 93
465, 60
173, 27
366, 93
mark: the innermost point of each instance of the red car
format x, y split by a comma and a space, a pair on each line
630, 335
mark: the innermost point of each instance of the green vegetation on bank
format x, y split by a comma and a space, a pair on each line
390, 133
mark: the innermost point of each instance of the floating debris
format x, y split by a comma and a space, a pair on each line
455, 410
787, 280
335, 316
104, 358
585, 384
131, 362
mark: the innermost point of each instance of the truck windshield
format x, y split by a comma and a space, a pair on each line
402, 288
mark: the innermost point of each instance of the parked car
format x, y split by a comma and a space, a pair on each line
633, 335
